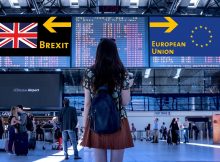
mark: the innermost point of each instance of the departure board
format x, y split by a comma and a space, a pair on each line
184, 42
34, 61
130, 34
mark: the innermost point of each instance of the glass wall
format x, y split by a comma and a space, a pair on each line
159, 89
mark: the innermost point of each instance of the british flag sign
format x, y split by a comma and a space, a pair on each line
18, 35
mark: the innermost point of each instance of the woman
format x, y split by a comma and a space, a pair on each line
174, 128
13, 128
2, 127
148, 132
108, 70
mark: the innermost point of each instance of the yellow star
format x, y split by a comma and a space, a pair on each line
206, 45
193, 41
191, 36
200, 27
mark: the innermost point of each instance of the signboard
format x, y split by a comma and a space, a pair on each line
130, 34
35, 41
35, 36
184, 41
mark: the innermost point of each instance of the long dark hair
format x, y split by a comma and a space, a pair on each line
108, 67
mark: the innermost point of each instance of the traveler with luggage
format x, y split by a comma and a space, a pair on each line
13, 128
107, 87
21, 138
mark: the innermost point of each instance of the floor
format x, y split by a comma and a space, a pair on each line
142, 152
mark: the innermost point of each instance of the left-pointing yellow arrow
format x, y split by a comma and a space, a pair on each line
50, 25
170, 24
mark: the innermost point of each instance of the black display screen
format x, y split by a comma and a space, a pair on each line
34, 90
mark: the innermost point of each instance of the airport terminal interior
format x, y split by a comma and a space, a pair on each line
169, 47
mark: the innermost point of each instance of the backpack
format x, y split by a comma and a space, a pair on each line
104, 115
29, 124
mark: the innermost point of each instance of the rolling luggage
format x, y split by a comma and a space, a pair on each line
169, 139
140, 135
21, 144
32, 141
3, 144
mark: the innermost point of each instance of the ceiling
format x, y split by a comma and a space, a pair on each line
149, 7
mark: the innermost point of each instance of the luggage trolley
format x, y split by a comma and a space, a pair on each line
48, 137
140, 135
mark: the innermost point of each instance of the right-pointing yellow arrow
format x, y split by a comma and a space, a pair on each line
170, 24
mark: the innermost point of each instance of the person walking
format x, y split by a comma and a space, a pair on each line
174, 129
156, 132
186, 130
133, 130
2, 127
13, 128
68, 122
108, 70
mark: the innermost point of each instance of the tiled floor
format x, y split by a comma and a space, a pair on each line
142, 152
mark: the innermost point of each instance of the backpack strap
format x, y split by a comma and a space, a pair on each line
102, 88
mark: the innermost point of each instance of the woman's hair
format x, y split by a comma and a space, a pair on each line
13, 109
108, 67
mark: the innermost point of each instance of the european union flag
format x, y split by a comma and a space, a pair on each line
197, 36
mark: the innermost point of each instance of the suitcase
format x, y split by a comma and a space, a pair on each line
140, 135
32, 141
21, 144
32, 144
3, 144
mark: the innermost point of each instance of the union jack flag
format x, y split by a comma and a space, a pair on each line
18, 35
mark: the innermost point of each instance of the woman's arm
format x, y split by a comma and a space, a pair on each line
14, 121
125, 97
87, 103
126, 94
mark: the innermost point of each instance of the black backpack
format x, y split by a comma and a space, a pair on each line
104, 115
29, 124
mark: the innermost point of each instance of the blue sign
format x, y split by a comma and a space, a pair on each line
184, 42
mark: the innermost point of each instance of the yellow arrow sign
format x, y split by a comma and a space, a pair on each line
49, 24
170, 24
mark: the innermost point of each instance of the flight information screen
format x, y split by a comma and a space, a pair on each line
34, 61
186, 42
130, 34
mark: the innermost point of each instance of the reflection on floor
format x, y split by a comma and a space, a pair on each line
142, 152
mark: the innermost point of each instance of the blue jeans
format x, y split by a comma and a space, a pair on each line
186, 135
72, 135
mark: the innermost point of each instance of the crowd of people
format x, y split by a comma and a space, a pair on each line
23, 131
171, 133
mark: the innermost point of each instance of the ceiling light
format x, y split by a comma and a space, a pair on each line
147, 73
74, 3
177, 74
193, 3
134, 3
14, 4
58, 70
